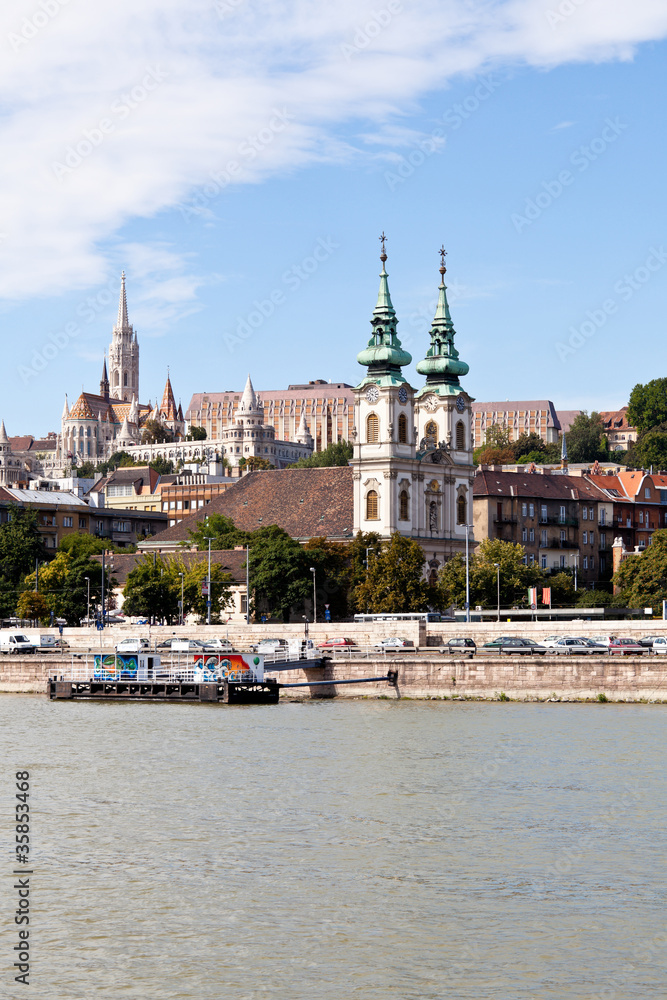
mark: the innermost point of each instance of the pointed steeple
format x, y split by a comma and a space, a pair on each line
133, 414
441, 365
3, 434
248, 402
122, 323
303, 435
168, 407
384, 356
104, 381
65, 409
563, 453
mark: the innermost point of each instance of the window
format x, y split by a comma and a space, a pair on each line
121, 526
244, 604
402, 429
82, 522
591, 537
524, 510
403, 506
647, 492
525, 560
460, 436
372, 506
461, 511
372, 428
543, 562
591, 513
531, 535
561, 515
531, 509
585, 562
543, 537
562, 536
592, 562
67, 522
584, 514
524, 534
585, 538
603, 563
562, 562
663, 496
119, 489
603, 539
603, 516
641, 516
543, 513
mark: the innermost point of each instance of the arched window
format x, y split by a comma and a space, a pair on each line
372, 513
460, 436
115, 378
87, 431
403, 506
125, 379
461, 510
373, 428
402, 429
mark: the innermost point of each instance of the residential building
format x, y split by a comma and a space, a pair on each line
620, 435
639, 505
535, 416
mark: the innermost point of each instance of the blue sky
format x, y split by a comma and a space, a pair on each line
239, 159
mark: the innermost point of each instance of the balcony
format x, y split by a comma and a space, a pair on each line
555, 543
505, 520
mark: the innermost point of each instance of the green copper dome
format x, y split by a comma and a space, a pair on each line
384, 355
442, 366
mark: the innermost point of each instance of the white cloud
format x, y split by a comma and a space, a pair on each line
154, 100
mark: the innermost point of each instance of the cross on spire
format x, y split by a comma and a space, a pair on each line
443, 254
383, 239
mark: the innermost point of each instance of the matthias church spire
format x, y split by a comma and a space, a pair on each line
123, 353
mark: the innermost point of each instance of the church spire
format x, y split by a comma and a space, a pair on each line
441, 365
122, 322
104, 381
3, 434
65, 409
384, 355
249, 399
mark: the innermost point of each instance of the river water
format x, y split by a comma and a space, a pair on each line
364, 850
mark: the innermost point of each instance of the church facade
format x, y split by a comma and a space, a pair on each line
413, 468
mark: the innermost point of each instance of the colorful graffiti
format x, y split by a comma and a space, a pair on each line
115, 667
211, 667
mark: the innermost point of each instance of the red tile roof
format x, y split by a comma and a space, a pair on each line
550, 487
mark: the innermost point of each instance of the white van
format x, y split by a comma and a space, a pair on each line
15, 642
43, 641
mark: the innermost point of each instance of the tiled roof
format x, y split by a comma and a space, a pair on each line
314, 390
535, 485
566, 418
51, 498
517, 406
231, 560
616, 420
304, 502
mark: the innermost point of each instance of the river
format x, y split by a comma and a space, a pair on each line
365, 850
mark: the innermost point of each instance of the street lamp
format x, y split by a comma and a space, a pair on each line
576, 563
468, 527
497, 565
208, 539
312, 570
87, 579
305, 627
181, 576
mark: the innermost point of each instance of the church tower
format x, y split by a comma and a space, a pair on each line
384, 443
123, 354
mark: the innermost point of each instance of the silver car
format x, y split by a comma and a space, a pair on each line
577, 647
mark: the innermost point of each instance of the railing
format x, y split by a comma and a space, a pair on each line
505, 520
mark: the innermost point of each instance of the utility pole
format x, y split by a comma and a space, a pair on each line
103, 555
467, 527
208, 594
312, 570
497, 565
247, 584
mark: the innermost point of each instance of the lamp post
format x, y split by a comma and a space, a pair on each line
87, 579
208, 539
468, 527
497, 565
181, 576
576, 563
312, 570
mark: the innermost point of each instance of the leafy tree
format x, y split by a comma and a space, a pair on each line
359, 553
586, 440
151, 589
594, 599
647, 407
563, 593
163, 466
64, 584
193, 577
279, 572
21, 545
155, 432
119, 459
651, 449
89, 545
642, 578
498, 437
196, 434
221, 529
338, 453
527, 444
395, 580
86, 470
332, 564
515, 576
255, 463
33, 606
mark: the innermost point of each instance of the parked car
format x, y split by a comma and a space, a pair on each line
394, 643
135, 645
513, 644
660, 644
269, 646
551, 640
604, 640
648, 640
337, 643
577, 647
626, 647
460, 645
217, 645
177, 645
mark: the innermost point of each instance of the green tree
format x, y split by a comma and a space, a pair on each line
221, 529
21, 545
586, 440
255, 463
359, 553
64, 584
193, 599
593, 599
163, 466
338, 453
86, 470
563, 594
155, 432
153, 589
528, 444
196, 434
651, 449
395, 580
642, 578
89, 545
119, 459
280, 576
33, 606
647, 407
332, 564
515, 576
